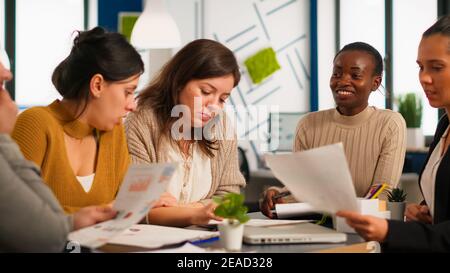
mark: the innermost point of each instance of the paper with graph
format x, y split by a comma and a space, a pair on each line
141, 188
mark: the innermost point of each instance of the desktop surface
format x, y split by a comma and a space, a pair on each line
285, 248
273, 248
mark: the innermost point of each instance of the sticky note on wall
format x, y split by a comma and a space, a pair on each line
261, 65
126, 23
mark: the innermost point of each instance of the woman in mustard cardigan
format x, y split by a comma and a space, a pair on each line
25, 199
79, 142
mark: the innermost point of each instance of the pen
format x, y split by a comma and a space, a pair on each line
376, 191
372, 191
205, 240
379, 191
281, 194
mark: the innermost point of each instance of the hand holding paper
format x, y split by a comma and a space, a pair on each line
320, 177
141, 188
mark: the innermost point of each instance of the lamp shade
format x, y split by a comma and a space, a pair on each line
155, 28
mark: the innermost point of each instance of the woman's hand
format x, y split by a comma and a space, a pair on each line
166, 200
89, 216
369, 227
416, 212
202, 215
268, 203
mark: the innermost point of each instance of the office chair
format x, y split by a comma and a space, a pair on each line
243, 164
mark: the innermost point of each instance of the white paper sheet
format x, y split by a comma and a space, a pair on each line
153, 236
142, 186
265, 222
320, 177
288, 210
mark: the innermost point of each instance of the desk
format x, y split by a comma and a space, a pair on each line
286, 248
280, 248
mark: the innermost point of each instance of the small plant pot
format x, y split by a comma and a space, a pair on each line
231, 235
397, 210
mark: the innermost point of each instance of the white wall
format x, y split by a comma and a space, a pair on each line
255, 25
364, 21
326, 40
246, 26
2, 24
411, 19
41, 43
93, 14
188, 17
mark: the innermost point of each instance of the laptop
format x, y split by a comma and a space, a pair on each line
292, 233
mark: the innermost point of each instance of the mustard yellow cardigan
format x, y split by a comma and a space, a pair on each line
39, 132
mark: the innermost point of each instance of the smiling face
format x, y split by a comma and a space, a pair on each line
353, 80
211, 95
111, 101
433, 59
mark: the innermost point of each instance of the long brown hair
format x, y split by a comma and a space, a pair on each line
200, 59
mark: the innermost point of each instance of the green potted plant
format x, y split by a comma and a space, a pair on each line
396, 203
410, 107
231, 207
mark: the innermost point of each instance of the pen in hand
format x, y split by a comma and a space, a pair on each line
281, 194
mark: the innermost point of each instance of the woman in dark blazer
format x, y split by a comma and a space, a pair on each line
420, 234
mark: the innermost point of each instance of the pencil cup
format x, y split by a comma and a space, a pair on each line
366, 207
231, 235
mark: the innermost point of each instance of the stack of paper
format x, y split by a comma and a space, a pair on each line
153, 236
289, 210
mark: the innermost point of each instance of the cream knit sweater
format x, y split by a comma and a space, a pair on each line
144, 146
374, 143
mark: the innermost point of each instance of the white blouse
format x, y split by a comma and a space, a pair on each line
86, 181
428, 179
192, 180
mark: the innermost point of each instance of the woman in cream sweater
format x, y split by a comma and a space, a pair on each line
179, 119
374, 139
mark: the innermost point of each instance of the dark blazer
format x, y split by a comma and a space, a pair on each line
415, 236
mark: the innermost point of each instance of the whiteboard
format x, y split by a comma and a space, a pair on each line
247, 26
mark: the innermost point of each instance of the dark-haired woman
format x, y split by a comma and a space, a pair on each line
428, 228
79, 142
374, 139
196, 82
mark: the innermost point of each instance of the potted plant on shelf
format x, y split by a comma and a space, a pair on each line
410, 107
396, 203
231, 207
